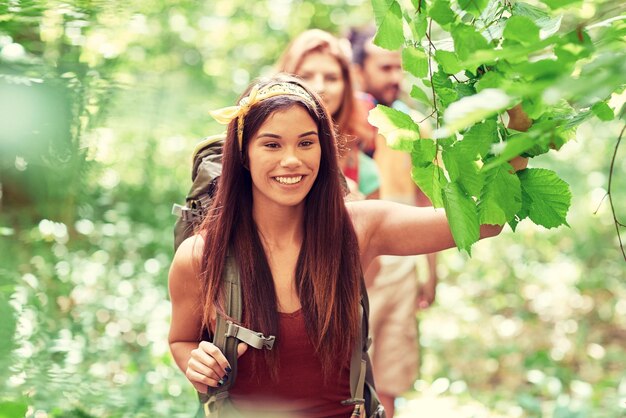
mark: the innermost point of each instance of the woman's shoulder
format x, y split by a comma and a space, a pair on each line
362, 211
187, 259
191, 246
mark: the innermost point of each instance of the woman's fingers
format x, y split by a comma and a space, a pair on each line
210, 355
207, 366
200, 381
519, 163
203, 369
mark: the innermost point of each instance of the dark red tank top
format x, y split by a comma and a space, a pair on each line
300, 391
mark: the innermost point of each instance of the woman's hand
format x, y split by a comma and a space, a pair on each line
208, 366
518, 120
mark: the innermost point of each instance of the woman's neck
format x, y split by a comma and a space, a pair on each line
279, 227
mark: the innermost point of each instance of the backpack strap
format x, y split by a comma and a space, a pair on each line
358, 368
358, 361
362, 388
228, 335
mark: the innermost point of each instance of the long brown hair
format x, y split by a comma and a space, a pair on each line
328, 270
351, 117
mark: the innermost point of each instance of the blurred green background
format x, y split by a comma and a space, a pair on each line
101, 103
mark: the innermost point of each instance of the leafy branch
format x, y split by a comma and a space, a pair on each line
501, 55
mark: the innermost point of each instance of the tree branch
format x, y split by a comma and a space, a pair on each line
617, 223
427, 117
430, 72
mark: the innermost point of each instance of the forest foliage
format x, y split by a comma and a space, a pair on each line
102, 102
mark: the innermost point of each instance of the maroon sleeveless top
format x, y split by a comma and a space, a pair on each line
300, 390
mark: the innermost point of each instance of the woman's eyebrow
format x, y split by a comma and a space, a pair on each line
268, 135
271, 135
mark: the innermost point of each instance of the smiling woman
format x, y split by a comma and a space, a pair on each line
299, 251
283, 159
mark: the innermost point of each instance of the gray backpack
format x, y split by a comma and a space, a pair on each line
207, 168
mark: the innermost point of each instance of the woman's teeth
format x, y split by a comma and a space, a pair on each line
288, 180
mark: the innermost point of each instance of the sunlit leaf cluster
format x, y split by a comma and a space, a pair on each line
471, 61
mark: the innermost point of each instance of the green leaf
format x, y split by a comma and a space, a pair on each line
420, 95
448, 61
475, 7
424, 152
10, 409
442, 13
462, 168
543, 69
469, 110
501, 197
603, 111
446, 96
467, 41
515, 145
388, 15
490, 80
534, 107
462, 216
444, 89
550, 196
477, 140
521, 29
557, 4
397, 127
464, 90
419, 26
548, 24
523, 212
516, 52
431, 180
415, 61
597, 80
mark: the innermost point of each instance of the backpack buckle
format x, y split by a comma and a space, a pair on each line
252, 338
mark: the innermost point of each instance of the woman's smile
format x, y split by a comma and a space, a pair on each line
289, 179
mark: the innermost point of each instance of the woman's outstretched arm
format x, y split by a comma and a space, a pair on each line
388, 228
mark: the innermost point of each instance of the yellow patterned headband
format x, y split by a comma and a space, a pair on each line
227, 114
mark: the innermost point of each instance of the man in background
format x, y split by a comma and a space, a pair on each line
394, 292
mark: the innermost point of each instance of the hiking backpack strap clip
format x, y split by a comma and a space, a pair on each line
227, 336
252, 338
